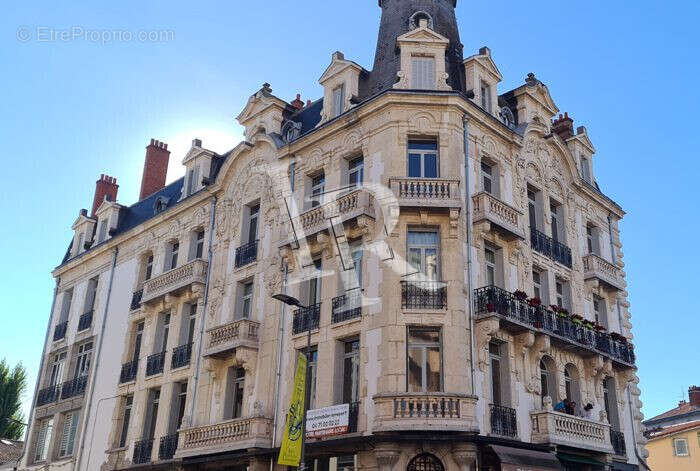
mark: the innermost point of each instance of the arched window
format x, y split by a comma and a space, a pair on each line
548, 382
414, 21
425, 462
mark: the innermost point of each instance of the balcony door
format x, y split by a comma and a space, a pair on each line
423, 255
313, 286
152, 413
422, 159
424, 360
82, 366
351, 371
253, 218
57, 367
235, 388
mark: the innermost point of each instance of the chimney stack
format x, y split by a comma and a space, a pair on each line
155, 168
563, 126
298, 103
105, 187
694, 395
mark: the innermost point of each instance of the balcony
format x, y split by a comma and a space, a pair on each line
347, 306
503, 421
128, 373
307, 318
48, 395
167, 447
425, 411
602, 270
235, 434
518, 316
142, 451
551, 248
155, 364
344, 208
59, 332
227, 338
617, 439
136, 299
246, 254
85, 321
181, 356
174, 281
74, 387
426, 192
431, 295
502, 217
557, 428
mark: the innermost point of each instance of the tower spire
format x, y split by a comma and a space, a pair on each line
401, 16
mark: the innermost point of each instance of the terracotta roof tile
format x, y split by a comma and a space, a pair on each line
674, 429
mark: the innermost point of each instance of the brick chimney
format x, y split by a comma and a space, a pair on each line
563, 126
155, 168
298, 103
105, 187
694, 395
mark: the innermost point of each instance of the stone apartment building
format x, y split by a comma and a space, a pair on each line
460, 269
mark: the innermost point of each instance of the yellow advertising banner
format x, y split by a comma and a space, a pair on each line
290, 451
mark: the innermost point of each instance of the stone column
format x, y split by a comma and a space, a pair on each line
465, 456
387, 456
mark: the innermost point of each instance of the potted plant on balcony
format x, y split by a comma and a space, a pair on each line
520, 295
563, 313
535, 302
576, 319
617, 337
588, 324
553, 308
600, 328
490, 307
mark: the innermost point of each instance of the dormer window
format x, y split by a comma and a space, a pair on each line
79, 246
585, 169
423, 73
486, 96
290, 131
338, 100
102, 231
160, 204
507, 117
192, 176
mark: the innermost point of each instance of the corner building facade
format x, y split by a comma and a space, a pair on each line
461, 274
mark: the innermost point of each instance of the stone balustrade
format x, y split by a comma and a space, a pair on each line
425, 411
227, 337
558, 428
599, 268
426, 192
504, 217
229, 435
175, 280
345, 207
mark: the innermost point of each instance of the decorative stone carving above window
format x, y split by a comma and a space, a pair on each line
341, 82
424, 48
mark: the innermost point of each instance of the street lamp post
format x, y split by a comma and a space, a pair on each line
292, 301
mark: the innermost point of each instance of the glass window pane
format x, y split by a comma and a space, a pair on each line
424, 238
433, 369
422, 145
431, 264
415, 369
430, 162
414, 169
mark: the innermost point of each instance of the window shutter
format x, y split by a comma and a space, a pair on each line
40, 441
65, 434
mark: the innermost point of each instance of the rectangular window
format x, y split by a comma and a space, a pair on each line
486, 97
338, 100
680, 447
313, 369
356, 172
600, 311
318, 187
490, 260
555, 210
79, 243
162, 340
585, 169
532, 208
138, 338
540, 285
246, 299
66, 302
102, 232
192, 177
70, 426
487, 178
422, 159
43, 439
235, 388
593, 239
57, 366
181, 402
152, 413
424, 360
560, 293
191, 322
172, 261
197, 250
253, 217
423, 254
90, 295
149, 267
351, 371
423, 73
126, 418
356, 252
82, 365
313, 286
495, 356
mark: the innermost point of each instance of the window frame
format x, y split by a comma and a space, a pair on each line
488, 175
356, 167
69, 432
422, 153
338, 100
678, 440
83, 360
44, 437
426, 77
485, 90
244, 297
424, 347
353, 377
126, 419
422, 269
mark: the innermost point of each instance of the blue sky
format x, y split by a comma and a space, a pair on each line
73, 108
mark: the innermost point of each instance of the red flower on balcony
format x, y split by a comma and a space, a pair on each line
600, 328
535, 302
490, 307
617, 337
520, 295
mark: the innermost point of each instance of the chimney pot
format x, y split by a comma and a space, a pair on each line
155, 168
105, 189
694, 395
564, 126
298, 103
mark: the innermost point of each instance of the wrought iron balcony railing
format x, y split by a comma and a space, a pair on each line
155, 363
181, 356
246, 254
307, 318
74, 387
142, 451
129, 371
85, 321
423, 295
347, 306
59, 332
48, 395
167, 447
617, 439
136, 299
495, 300
553, 249
503, 421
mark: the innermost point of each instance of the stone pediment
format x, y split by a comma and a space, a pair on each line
82, 219
584, 140
260, 102
337, 66
487, 63
423, 34
196, 151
